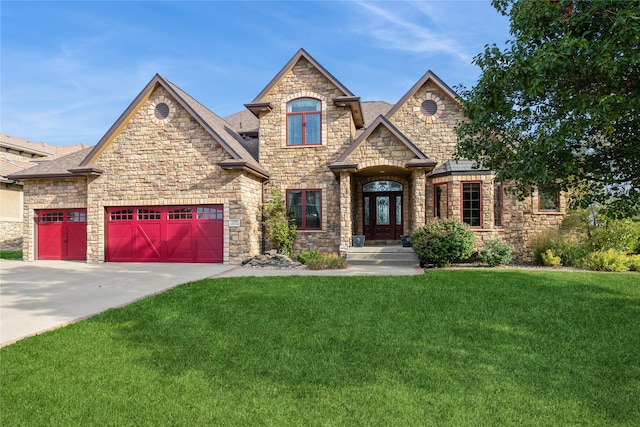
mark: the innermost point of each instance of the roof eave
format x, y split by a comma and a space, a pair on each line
257, 107
232, 164
354, 103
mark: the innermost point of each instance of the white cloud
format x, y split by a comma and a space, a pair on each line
397, 27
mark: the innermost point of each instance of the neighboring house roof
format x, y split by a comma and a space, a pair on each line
421, 159
55, 168
40, 149
219, 130
460, 167
428, 76
348, 99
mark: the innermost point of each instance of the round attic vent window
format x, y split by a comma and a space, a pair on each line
429, 107
161, 111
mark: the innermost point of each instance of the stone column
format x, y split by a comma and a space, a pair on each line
418, 199
346, 226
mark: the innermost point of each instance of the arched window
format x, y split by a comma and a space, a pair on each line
380, 186
303, 122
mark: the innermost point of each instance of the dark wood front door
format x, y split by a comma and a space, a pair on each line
382, 215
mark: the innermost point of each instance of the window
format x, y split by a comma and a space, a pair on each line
549, 198
148, 215
209, 213
52, 217
472, 204
303, 122
122, 215
74, 216
440, 197
305, 207
498, 200
181, 213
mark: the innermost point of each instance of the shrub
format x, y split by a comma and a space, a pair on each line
551, 260
496, 252
443, 242
622, 235
280, 230
571, 248
315, 260
633, 262
10, 254
606, 260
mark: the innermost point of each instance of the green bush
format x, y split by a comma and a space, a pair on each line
10, 254
496, 252
314, 260
443, 242
606, 260
551, 260
633, 262
622, 235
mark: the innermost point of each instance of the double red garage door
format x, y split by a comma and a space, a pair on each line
140, 234
165, 234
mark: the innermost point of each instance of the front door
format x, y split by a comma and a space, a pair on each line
382, 205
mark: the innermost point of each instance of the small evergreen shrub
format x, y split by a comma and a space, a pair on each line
606, 260
315, 260
496, 252
443, 242
280, 230
551, 260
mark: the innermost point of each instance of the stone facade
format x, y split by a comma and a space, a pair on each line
182, 158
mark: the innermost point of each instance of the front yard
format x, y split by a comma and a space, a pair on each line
450, 347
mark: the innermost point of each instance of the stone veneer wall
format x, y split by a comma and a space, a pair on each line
11, 235
437, 137
172, 162
68, 193
522, 220
305, 167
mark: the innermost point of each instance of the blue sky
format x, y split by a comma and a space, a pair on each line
70, 68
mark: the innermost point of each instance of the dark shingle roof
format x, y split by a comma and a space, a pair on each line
58, 167
460, 167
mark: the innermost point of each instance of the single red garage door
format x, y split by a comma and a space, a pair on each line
62, 234
165, 234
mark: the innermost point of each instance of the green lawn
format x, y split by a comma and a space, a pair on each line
450, 347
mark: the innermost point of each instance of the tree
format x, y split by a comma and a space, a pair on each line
561, 103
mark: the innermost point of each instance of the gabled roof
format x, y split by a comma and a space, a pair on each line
348, 99
289, 65
421, 159
219, 130
428, 76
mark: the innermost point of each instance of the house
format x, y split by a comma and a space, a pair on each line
172, 181
17, 154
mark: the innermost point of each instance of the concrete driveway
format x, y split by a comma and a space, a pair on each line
42, 295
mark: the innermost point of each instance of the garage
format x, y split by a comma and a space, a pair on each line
62, 234
165, 234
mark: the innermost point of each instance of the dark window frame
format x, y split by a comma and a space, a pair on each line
436, 206
498, 205
303, 226
462, 204
304, 115
555, 200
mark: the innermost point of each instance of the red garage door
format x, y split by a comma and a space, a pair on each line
165, 234
62, 234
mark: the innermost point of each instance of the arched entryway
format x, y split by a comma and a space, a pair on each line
382, 210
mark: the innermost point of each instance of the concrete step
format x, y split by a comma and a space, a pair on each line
381, 255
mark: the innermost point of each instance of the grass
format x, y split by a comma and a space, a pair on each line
457, 347
10, 254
